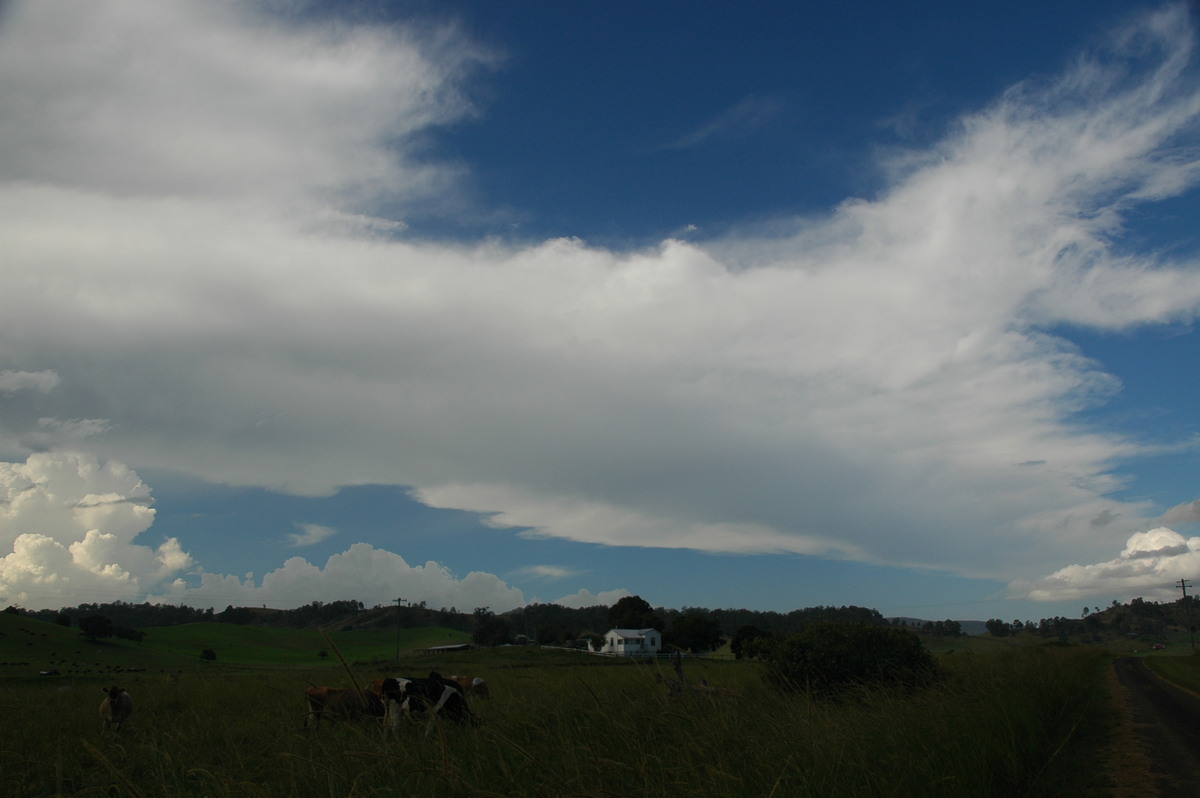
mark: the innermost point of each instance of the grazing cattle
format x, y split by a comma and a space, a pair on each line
475, 686
439, 697
116, 708
342, 703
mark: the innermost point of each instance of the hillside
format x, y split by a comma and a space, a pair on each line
30, 647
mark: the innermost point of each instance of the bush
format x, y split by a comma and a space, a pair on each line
831, 657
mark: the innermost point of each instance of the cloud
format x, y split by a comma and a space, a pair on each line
860, 385
740, 119
547, 572
40, 381
1186, 513
1150, 566
362, 572
586, 598
310, 534
68, 524
142, 99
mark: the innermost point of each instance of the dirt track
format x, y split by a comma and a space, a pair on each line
1166, 721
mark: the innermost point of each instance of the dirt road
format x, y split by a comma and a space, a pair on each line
1166, 722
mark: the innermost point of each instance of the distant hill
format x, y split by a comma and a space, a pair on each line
968, 627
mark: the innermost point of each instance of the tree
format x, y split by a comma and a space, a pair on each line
745, 641
208, 655
997, 627
633, 612
95, 627
695, 631
831, 657
491, 629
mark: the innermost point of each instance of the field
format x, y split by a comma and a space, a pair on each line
1028, 720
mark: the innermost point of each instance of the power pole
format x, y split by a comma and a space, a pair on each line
398, 630
1187, 609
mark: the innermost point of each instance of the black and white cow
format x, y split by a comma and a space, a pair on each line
432, 696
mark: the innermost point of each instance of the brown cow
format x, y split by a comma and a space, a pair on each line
342, 703
116, 708
475, 686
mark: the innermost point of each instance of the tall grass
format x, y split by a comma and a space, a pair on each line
1023, 723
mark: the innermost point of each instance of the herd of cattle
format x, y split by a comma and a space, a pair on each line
390, 700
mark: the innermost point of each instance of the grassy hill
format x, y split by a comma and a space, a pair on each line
29, 647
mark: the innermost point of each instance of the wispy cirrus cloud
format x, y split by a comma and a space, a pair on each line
859, 385
740, 119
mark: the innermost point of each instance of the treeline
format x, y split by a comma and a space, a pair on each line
693, 628
1137, 619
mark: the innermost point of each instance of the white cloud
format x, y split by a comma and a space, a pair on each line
1150, 566
41, 381
362, 572
67, 530
586, 598
143, 99
877, 385
548, 572
69, 522
310, 534
1186, 513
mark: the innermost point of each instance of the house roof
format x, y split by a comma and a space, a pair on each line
630, 633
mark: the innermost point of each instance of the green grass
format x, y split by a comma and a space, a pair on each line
254, 645
29, 646
1181, 670
1021, 720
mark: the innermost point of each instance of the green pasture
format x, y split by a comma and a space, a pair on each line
1181, 670
254, 645
28, 647
1012, 720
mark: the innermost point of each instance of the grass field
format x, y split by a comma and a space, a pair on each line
1183, 671
28, 647
1014, 720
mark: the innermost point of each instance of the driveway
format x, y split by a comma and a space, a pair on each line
1166, 728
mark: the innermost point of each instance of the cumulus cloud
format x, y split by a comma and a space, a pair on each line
362, 572
883, 383
67, 528
1150, 566
69, 524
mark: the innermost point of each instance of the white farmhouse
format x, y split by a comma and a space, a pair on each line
632, 642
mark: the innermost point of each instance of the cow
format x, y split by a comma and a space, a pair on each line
343, 703
116, 708
475, 686
439, 697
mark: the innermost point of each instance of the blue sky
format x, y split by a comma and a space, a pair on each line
483, 304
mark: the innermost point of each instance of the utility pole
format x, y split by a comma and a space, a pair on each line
1187, 609
398, 630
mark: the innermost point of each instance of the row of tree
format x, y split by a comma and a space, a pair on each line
690, 629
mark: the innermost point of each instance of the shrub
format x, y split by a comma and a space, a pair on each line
831, 657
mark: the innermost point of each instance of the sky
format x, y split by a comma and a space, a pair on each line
486, 304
